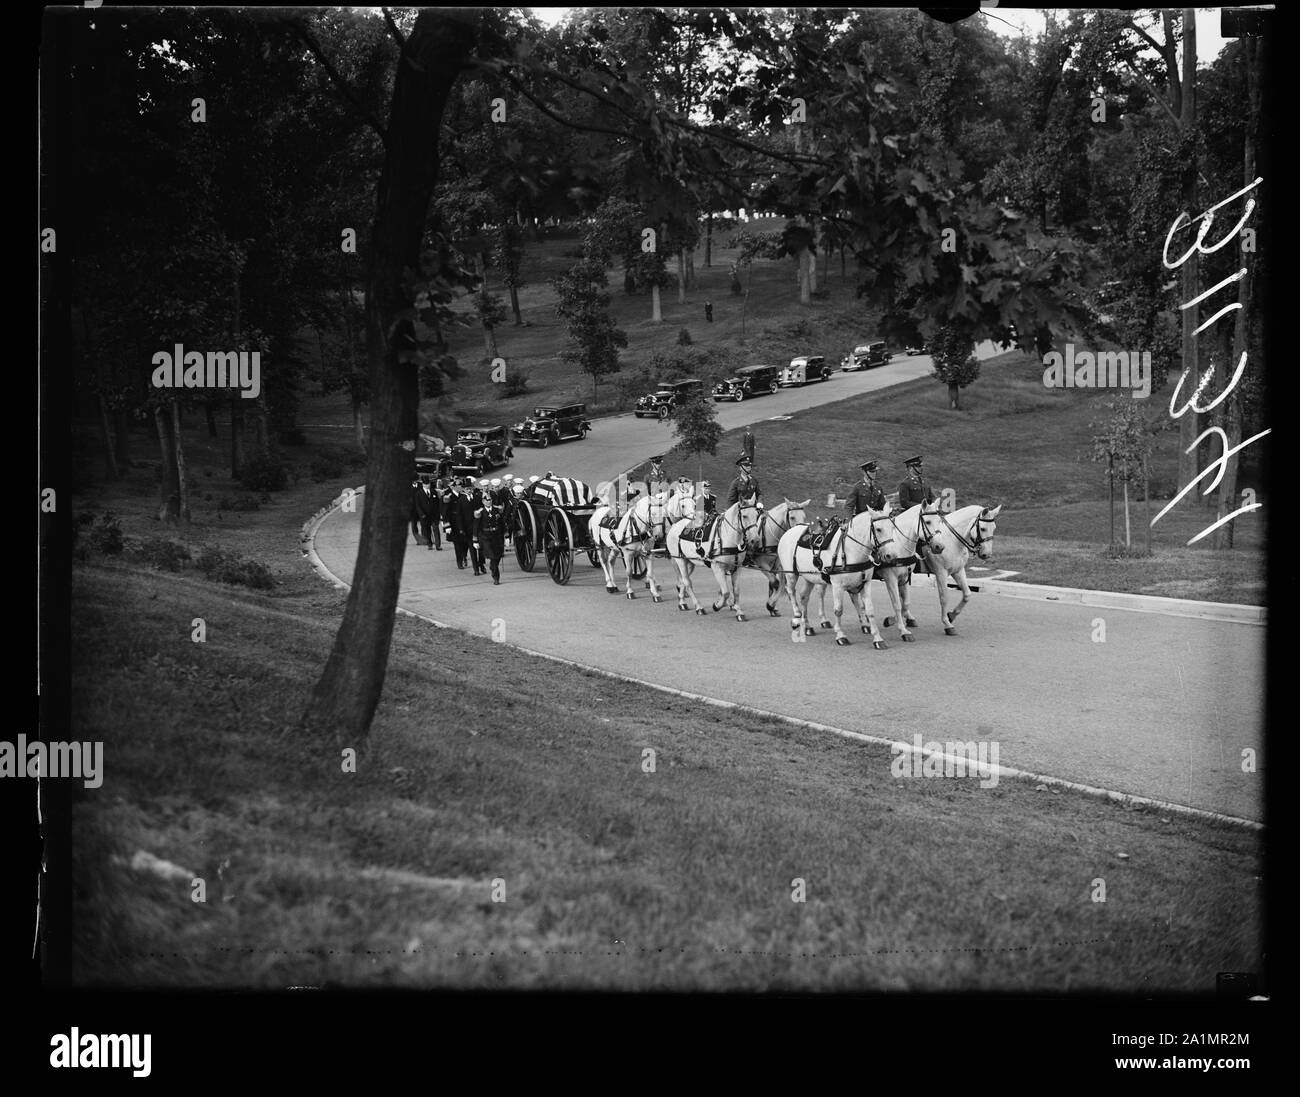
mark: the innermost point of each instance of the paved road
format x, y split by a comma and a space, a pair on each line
1163, 708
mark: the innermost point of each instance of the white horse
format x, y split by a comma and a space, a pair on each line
771, 526
911, 535
951, 540
734, 532
632, 536
847, 560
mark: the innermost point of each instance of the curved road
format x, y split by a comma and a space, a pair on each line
1163, 708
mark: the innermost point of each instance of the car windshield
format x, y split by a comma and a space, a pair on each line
469, 436
543, 413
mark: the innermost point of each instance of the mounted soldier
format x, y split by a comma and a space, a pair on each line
744, 488
914, 489
656, 478
866, 495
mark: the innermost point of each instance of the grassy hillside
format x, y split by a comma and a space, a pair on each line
487, 765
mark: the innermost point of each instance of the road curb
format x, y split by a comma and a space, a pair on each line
1138, 603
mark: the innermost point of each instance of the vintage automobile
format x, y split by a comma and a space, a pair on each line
865, 355
478, 449
806, 368
919, 348
552, 423
748, 381
661, 403
433, 467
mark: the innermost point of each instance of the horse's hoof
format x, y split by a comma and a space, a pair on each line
772, 613
827, 624
810, 632
656, 598
843, 641
950, 631
683, 607
611, 590
631, 594
911, 623
740, 617
716, 608
879, 645
866, 631
702, 612
908, 637
888, 622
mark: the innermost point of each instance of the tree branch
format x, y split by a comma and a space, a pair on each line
396, 33
310, 42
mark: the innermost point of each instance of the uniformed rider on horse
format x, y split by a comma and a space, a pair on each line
915, 490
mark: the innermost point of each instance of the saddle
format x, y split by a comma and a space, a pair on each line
818, 539
705, 531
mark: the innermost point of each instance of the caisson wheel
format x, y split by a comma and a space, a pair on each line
557, 542
525, 536
663, 412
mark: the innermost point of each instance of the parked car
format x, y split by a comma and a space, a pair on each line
748, 381
919, 348
431, 468
806, 368
552, 423
478, 449
662, 402
865, 356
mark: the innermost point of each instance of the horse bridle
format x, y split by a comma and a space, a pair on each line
876, 543
763, 547
971, 546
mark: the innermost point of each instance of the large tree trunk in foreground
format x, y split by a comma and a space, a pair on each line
346, 696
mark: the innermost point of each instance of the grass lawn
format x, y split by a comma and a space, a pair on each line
531, 775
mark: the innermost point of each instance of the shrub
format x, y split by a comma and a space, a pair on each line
264, 473
103, 533
736, 288
164, 554
515, 384
229, 567
684, 338
327, 466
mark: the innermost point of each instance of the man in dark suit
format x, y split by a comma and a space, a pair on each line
460, 519
490, 535
914, 489
470, 501
415, 511
747, 443
428, 509
867, 494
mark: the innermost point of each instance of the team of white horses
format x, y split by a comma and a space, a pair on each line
872, 544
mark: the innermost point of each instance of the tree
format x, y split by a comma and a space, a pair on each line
401, 284
584, 304
954, 361
489, 311
508, 254
697, 429
1123, 441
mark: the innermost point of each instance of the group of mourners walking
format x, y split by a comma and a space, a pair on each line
472, 515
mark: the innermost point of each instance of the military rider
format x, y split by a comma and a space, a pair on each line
744, 488
867, 494
914, 489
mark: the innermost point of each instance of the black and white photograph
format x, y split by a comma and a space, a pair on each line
696, 501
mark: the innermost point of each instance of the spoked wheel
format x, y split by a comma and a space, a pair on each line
638, 569
593, 556
525, 536
557, 541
